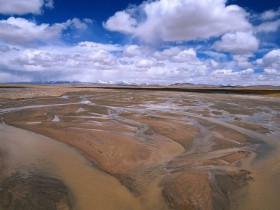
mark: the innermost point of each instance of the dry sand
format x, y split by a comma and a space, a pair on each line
166, 149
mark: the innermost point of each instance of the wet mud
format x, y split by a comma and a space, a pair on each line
33, 192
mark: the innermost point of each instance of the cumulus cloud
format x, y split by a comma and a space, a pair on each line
213, 63
91, 46
135, 50
20, 30
270, 76
266, 27
78, 24
237, 43
270, 14
30, 51
234, 77
21, 7
176, 55
272, 72
87, 61
91, 61
179, 20
46, 59
242, 60
271, 59
269, 21
144, 63
122, 22
167, 53
185, 56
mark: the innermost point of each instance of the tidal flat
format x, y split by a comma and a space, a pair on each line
85, 148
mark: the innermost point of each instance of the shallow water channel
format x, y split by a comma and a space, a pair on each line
29, 154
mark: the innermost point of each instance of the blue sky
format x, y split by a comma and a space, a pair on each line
234, 42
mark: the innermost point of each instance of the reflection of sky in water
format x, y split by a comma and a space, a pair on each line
65, 97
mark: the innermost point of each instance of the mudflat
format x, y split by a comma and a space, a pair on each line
132, 148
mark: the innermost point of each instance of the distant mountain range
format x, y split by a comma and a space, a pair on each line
62, 82
125, 83
47, 82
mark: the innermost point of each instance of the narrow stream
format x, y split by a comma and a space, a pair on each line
263, 192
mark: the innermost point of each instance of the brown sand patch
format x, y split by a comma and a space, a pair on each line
189, 191
232, 135
113, 153
181, 132
199, 191
228, 159
251, 126
224, 143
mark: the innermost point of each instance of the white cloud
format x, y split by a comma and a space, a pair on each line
270, 14
102, 57
272, 72
230, 72
135, 50
90, 61
185, 56
247, 71
78, 24
20, 30
92, 46
266, 27
189, 72
229, 76
178, 57
271, 59
167, 53
270, 76
144, 63
222, 72
121, 22
213, 63
214, 54
21, 7
179, 20
242, 60
65, 60
237, 43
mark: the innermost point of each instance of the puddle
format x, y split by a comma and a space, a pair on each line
55, 119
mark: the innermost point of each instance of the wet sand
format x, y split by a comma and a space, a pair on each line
132, 149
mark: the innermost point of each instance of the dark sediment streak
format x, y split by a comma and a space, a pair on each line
33, 192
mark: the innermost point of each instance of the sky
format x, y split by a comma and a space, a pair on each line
214, 42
